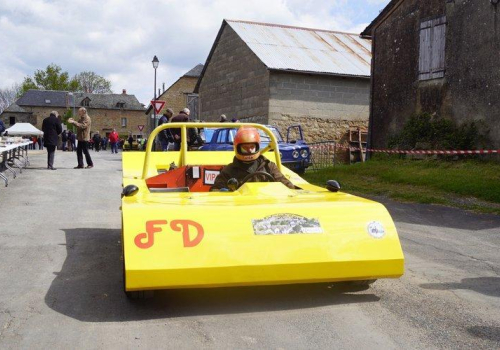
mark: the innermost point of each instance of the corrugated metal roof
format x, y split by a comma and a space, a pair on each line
306, 50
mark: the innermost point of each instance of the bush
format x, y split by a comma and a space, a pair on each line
436, 133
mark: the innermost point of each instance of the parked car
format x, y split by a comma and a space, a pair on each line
295, 154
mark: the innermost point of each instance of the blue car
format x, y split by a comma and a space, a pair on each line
295, 154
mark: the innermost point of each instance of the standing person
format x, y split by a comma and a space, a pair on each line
52, 128
40, 142
182, 117
113, 139
223, 118
83, 135
165, 136
97, 141
73, 141
64, 139
70, 146
2, 127
130, 140
104, 143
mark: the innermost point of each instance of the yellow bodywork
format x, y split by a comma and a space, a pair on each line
211, 239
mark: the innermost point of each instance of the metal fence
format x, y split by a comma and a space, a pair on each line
322, 154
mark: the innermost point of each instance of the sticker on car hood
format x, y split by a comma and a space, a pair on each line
286, 224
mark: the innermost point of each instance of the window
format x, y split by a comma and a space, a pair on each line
120, 105
86, 102
47, 101
432, 48
124, 122
222, 136
12, 120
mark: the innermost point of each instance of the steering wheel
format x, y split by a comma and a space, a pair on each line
269, 177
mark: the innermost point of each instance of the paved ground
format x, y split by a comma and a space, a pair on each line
61, 283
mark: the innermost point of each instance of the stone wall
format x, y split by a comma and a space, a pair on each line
325, 106
235, 83
175, 96
318, 96
469, 89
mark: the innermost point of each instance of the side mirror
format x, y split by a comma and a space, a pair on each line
130, 190
232, 184
332, 186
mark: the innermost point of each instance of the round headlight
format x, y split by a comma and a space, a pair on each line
304, 153
295, 154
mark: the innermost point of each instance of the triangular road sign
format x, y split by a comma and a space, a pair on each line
157, 105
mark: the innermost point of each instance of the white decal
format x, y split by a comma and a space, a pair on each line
210, 176
375, 229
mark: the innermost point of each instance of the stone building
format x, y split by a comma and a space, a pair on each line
438, 57
282, 75
107, 111
180, 94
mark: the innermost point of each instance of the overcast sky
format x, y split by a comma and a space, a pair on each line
118, 38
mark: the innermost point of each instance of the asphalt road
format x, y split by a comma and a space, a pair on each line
61, 282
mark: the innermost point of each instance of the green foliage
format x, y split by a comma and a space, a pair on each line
53, 78
469, 184
50, 79
436, 133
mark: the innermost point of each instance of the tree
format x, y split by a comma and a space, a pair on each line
8, 96
50, 79
90, 82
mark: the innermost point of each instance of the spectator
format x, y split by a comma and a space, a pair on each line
52, 128
97, 141
165, 136
223, 118
40, 142
73, 141
182, 117
130, 140
113, 140
64, 139
83, 132
2, 127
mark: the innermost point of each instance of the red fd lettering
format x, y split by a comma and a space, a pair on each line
192, 232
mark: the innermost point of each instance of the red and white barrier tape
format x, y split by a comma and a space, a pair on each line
331, 147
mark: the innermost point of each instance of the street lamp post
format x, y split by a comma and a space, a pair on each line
155, 62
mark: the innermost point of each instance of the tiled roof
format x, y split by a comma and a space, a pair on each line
44, 98
195, 72
39, 98
14, 108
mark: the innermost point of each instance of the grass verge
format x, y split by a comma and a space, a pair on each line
471, 185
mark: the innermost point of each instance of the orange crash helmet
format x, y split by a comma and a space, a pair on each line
247, 144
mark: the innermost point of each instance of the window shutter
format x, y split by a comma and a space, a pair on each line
432, 48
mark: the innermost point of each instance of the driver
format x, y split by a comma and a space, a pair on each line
247, 161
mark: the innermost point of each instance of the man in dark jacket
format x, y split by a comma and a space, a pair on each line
51, 128
182, 117
165, 136
2, 127
248, 160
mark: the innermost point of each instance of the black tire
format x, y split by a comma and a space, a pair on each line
140, 294
356, 286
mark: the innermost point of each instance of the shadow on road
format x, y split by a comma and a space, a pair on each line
439, 216
89, 288
484, 285
485, 332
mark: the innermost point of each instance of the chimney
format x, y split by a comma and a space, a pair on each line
124, 91
163, 87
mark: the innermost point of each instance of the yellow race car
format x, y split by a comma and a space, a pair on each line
178, 234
